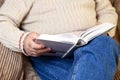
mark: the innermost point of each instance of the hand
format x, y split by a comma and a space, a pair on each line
32, 48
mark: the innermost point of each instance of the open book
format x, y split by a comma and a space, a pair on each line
64, 44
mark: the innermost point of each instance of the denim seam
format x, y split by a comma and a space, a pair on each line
76, 67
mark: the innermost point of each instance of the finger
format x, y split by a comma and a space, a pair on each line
37, 46
39, 52
42, 50
33, 54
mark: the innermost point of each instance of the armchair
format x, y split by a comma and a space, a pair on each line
26, 74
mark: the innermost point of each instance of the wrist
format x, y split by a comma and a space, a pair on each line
21, 42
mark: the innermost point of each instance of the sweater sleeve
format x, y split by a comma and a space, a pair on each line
12, 13
106, 13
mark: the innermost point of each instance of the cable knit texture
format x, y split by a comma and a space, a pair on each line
51, 17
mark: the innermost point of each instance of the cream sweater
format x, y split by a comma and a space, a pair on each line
51, 17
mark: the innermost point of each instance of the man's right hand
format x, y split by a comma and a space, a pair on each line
32, 48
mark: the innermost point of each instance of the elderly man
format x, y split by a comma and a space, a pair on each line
25, 20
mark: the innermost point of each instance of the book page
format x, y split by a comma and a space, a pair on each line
64, 38
95, 31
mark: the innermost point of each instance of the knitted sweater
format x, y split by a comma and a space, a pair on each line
51, 17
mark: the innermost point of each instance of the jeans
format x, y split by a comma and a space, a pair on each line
97, 60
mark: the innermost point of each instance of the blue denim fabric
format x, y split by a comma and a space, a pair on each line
95, 61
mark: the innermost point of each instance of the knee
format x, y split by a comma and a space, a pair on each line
102, 46
107, 44
104, 40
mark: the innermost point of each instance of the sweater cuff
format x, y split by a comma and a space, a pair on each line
21, 43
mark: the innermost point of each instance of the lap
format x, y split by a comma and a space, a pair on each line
95, 56
52, 68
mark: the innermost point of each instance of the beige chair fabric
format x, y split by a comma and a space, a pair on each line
116, 4
10, 64
15, 66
